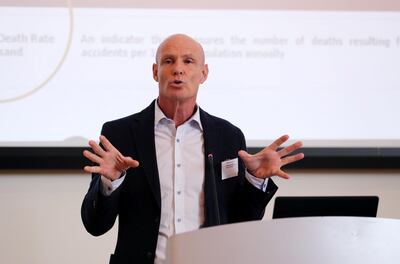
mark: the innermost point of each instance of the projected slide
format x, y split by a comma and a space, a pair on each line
330, 78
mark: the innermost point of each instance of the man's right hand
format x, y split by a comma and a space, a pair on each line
111, 163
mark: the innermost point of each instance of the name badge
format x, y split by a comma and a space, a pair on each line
229, 168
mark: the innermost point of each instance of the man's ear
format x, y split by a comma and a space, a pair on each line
205, 73
155, 72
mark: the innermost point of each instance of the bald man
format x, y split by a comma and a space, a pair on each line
159, 169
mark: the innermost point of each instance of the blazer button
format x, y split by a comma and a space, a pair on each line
156, 220
149, 255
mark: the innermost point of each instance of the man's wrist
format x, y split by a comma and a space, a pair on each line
259, 183
108, 186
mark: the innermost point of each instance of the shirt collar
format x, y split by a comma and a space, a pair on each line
159, 117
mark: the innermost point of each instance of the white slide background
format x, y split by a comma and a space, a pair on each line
328, 78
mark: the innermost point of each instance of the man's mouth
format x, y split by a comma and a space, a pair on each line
176, 83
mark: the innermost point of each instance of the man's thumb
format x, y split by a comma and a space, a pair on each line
243, 154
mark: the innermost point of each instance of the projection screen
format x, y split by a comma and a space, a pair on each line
325, 73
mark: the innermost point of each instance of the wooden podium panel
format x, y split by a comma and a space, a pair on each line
309, 240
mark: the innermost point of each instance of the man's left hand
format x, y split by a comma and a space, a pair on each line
269, 161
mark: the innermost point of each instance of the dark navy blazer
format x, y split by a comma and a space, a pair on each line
137, 201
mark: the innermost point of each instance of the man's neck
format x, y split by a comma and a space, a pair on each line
178, 111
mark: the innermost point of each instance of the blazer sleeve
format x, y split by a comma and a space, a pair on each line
99, 212
249, 201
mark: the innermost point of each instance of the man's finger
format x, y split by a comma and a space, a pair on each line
92, 169
282, 174
107, 144
278, 142
92, 157
289, 149
131, 162
293, 158
96, 148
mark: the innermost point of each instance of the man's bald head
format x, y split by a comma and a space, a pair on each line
179, 70
180, 40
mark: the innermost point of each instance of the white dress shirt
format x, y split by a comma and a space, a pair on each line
180, 162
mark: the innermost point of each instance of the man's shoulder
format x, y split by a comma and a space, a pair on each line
219, 123
122, 121
147, 113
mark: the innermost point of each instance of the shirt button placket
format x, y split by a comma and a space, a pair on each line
179, 182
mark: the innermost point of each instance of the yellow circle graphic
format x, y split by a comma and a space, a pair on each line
58, 66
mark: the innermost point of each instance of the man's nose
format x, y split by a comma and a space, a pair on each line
178, 69
178, 72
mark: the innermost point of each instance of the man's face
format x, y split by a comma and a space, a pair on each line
180, 69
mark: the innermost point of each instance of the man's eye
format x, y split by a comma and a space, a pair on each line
188, 61
168, 61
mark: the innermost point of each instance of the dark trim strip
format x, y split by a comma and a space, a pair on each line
315, 158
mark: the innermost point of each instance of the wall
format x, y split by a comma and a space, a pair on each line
40, 211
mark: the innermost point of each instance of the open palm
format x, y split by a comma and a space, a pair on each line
111, 163
269, 161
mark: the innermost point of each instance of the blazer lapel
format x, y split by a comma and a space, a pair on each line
143, 130
211, 137
210, 133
